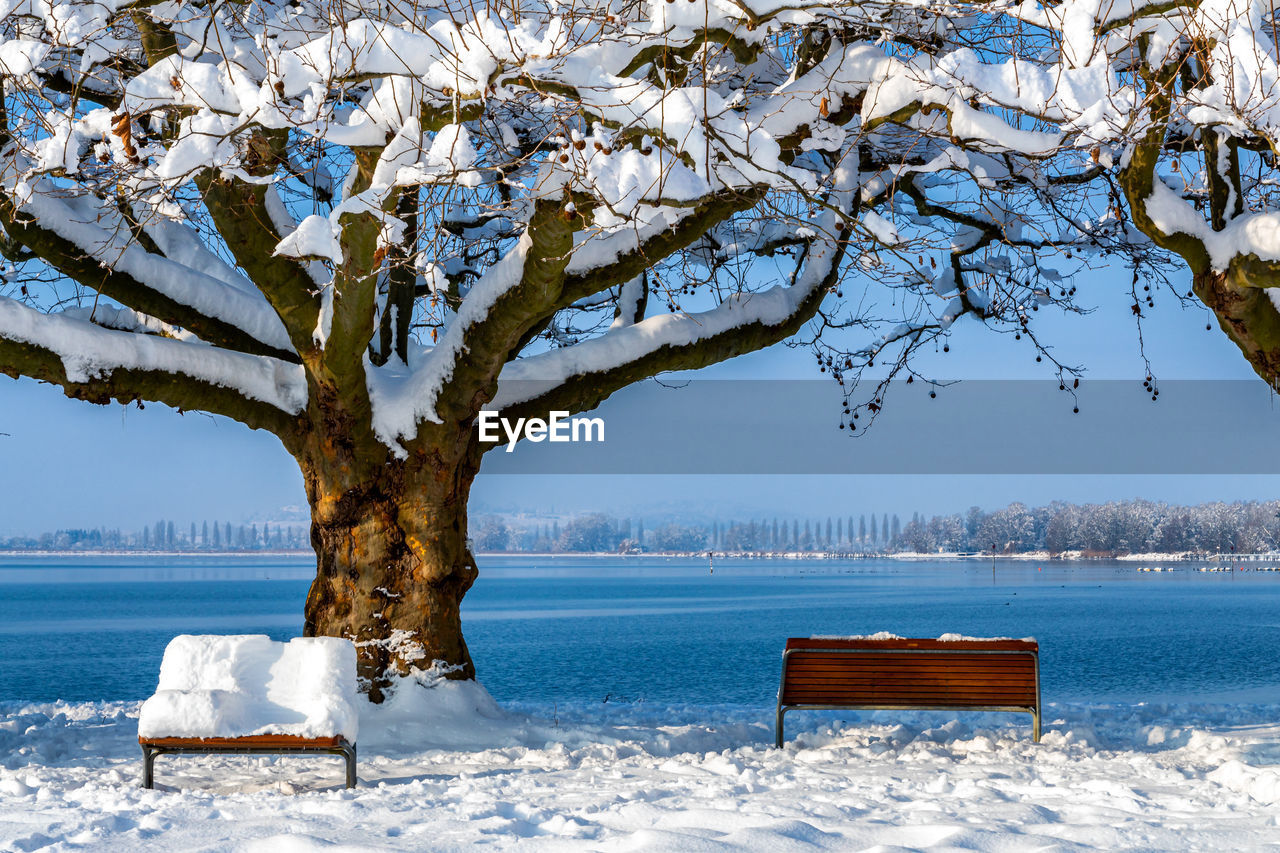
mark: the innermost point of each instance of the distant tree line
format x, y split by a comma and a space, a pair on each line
165, 535
1112, 528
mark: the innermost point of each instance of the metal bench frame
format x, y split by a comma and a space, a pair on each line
1034, 711
153, 748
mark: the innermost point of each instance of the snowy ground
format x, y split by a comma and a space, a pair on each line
454, 771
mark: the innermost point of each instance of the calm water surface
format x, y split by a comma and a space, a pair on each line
662, 630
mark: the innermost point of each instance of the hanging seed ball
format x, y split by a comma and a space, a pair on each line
1075, 410
1017, 336
932, 394
946, 347
855, 416
564, 158
839, 225
1146, 287
910, 379
1037, 358
842, 422
1208, 328
1061, 387
579, 144
597, 146
647, 150
1076, 384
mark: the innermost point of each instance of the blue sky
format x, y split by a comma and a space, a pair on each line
68, 463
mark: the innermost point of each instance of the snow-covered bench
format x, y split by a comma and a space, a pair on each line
249, 694
899, 673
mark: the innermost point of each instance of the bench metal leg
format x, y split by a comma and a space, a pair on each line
778, 727
148, 768
1035, 725
349, 753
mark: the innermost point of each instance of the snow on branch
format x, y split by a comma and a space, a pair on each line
96, 231
90, 352
404, 396
540, 375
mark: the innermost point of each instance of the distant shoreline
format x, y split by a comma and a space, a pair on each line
127, 553
1028, 556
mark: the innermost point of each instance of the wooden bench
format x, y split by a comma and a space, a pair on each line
152, 748
250, 695
900, 674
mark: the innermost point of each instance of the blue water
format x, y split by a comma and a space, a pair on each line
659, 630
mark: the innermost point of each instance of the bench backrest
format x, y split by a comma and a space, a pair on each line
910, 673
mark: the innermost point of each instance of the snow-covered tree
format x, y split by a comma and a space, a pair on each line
592, 532
678, 537
356, 225
493, 534
1007, 530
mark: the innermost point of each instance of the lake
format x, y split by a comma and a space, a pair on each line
569, 629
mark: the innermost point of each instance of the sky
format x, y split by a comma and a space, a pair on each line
71, 464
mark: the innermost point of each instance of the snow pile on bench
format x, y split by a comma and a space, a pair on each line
238, 686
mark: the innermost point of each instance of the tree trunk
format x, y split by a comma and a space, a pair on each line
393, 564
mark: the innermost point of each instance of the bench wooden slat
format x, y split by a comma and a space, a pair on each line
881, 666
265, 741
900, 659
921, 687
835, 643
917, 678
872, 700
810, 671
910, 673
898, 698
995, 698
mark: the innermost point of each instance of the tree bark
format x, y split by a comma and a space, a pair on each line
1248, 316
392, 566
